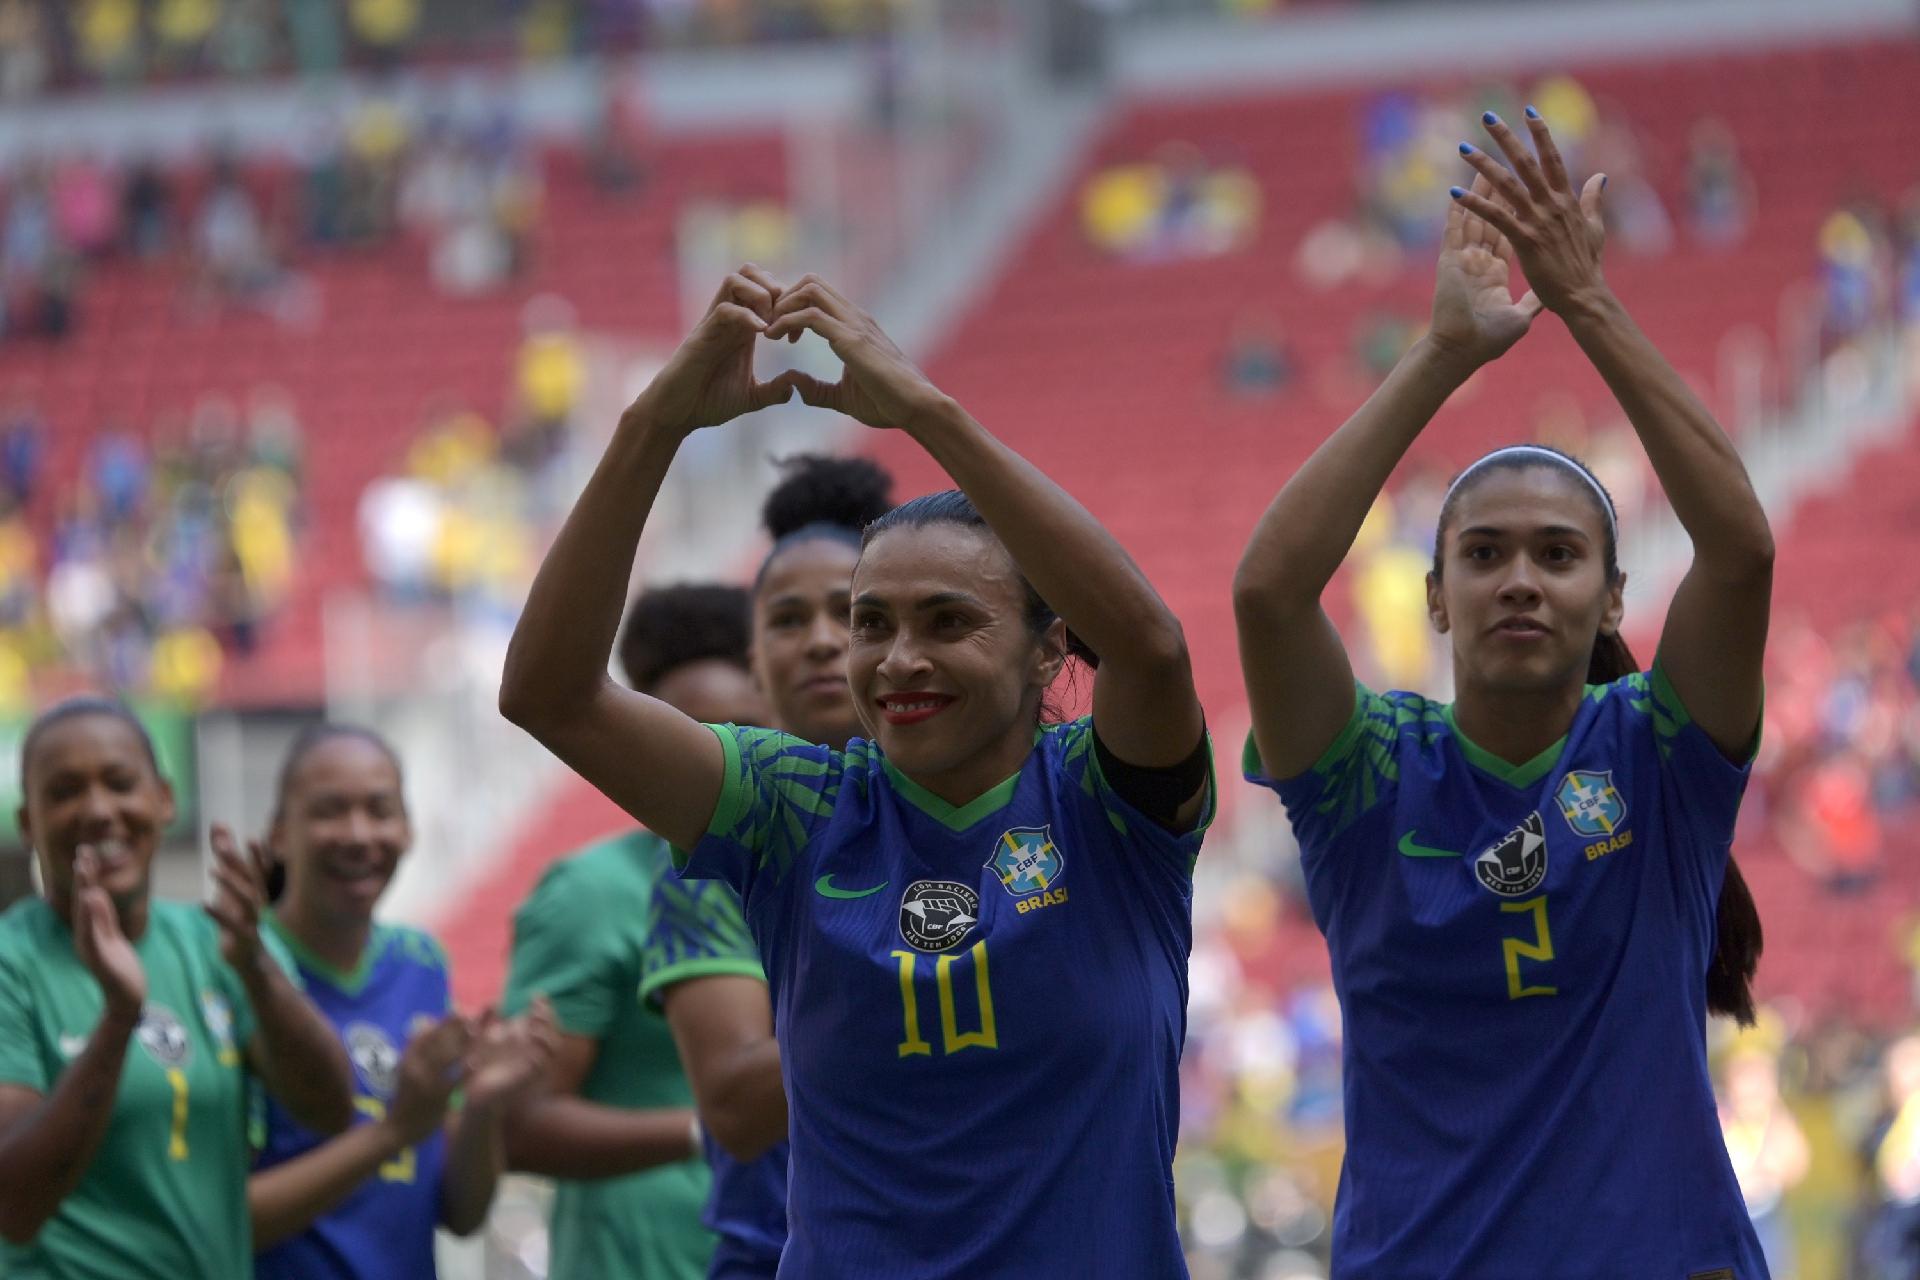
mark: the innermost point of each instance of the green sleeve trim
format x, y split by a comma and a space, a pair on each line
1667, 703
1336, 751
736, 796
657, 982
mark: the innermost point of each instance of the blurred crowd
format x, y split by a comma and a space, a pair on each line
460, 521
157, 558
60, 44
1869, 257
465, 187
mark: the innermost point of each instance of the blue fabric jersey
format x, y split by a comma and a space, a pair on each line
1520, 953
384, 1230
696, 929
980, 1009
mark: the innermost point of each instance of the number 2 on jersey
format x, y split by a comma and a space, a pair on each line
952, 1038
1517, 949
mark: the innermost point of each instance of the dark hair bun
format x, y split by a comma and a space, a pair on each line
819, 488
671, 626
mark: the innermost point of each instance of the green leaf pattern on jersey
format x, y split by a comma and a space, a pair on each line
692, 920
789, 788
1363, 761
1080, 761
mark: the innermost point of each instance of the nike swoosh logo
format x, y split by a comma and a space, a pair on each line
1413, 849
824, 887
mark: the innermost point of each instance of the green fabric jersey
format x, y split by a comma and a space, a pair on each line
580, 938
166, 1194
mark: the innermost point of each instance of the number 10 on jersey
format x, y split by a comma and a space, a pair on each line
953, 1040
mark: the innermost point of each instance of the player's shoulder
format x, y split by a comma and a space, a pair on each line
25, 927
618, 867
185, 925
410, 946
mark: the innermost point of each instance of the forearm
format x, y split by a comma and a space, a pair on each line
296, 1054
1306, 532
745, 1105
285, 1200
1697, 464
557, 658
44, 1155
476, 1157
1078, 568
562, 1136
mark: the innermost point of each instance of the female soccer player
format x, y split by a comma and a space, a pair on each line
1520, 889
616, 1125
364, 1205
131, 1030
952, 1112
701, 965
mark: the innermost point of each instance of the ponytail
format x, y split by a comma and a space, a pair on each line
1738, 940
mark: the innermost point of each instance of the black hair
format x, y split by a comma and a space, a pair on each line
1738, 938
669, 627
952, 507
72, 709
823, 496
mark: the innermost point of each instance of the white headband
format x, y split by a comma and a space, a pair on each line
1548, 456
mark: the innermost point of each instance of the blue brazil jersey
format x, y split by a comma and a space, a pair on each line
980, 1009
696, 929
1520, 953
384, 1230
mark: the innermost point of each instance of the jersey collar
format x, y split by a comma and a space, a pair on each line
1514, 775
348, 983
953, 817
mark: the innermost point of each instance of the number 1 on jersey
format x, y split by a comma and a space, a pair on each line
177, 1140
953, 1040
1515, 949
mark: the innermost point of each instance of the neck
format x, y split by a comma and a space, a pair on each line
979, 774
340, 941
1515, 724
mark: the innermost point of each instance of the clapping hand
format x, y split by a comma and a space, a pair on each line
101, 944
239, 896
1555, 234
510, 1056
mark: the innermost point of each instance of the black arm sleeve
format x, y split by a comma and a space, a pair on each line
1158, 793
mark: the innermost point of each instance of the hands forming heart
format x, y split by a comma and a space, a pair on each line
710, 380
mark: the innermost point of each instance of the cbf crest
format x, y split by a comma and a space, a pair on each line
1026, 860
1590, 802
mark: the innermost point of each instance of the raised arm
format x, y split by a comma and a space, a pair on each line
294, 1052
1299, 682
1144, 700
650, 759
1716, 629
48, 1140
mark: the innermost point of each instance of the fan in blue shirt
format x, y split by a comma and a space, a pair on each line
1527, 893
974, 925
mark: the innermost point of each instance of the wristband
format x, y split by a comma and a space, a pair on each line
695, 1135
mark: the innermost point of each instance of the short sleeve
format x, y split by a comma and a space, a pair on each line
1081, 761
21, 1062
1353, 775
1712, 784
567, 945
695, 929
778, 792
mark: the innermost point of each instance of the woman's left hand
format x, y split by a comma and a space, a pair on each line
510, 1056
879, 385
1556, 234
239, 895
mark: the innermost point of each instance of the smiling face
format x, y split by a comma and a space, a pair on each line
90, 781
946, 669
1523, 588
341, 829
800, 610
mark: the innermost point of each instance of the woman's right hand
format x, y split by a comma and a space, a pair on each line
709, 379
99, 942
431, 1068
1475, 318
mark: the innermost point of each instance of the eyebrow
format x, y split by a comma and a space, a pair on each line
868, 599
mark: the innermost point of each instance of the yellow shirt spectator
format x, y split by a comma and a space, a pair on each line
108, 32
1121, 206
185, 22
384, 22
552, 375
186, 664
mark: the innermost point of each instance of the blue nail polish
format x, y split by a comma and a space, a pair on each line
1489, 118
1455, 192
1466, 149
1603, 182
1532, 114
